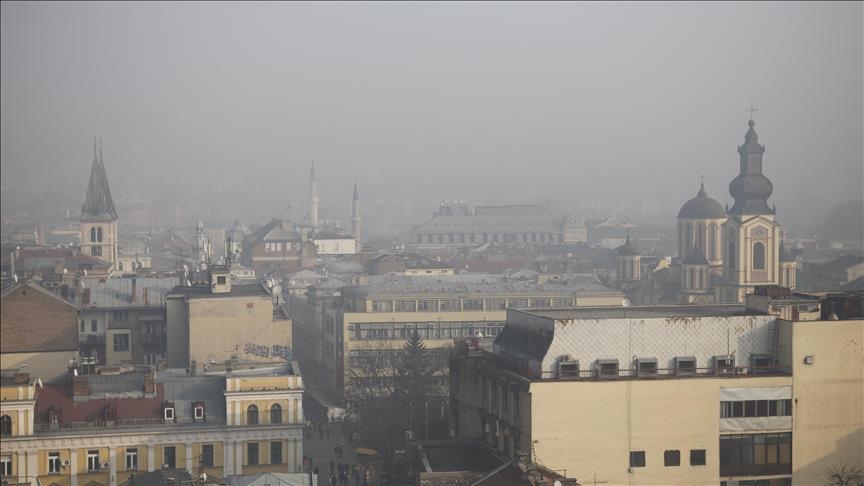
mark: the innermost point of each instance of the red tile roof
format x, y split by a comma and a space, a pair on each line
59, 396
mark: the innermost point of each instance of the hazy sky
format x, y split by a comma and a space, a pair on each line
431, 101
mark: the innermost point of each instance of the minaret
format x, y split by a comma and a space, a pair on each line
98, 215
751, 255
355, 219
313, 200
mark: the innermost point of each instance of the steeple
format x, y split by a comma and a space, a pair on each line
313, 199
751, 189
98, 204
355, 218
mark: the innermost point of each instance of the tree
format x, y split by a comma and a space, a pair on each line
417, 379
844, 475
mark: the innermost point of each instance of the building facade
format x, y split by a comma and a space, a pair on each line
103, 429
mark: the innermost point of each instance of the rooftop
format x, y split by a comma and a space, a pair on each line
204, 292
118, 292
476, 284
641, 312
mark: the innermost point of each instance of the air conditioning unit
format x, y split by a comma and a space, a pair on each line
741, 371
66, 462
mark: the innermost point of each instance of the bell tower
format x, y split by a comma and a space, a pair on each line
751, 256
99, 236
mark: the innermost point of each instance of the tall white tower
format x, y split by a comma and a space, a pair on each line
356, 219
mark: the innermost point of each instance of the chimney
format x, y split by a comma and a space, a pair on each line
85, 297
80, 386
58, 267
134, 290
146, 296
149, 384
21, 378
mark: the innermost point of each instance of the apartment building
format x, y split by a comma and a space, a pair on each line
668, 395
100, 430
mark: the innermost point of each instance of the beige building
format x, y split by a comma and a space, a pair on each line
694, 395
221, 321
100, 430
375, 318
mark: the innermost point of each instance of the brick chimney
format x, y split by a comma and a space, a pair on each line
134, 290
149, 384
80, 386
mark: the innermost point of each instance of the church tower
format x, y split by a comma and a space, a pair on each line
98, 216
313, 200
752, 238
628, 263
355, 219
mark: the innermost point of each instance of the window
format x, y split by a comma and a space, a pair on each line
275, 452
472, 304
207, 455
637, 458
672, 458
450, 305
758, 256
220, 280
5, 426
99, 235
427, 305
93, 234
756, 454
517, 303
5, 466
170, 457
406, 306
169, 413
252, 454
121, 342
252, 415
697, 457
756, 408
382, 305
53, 463
131, 459
120, 315
96, 251
199, 411
92, 461
276, 414
94, 326
732, 253
82, 325
496, 304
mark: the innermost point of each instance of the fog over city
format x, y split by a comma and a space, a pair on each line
220, 108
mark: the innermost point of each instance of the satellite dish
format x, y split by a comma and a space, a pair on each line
625, 303
203, 477
556, 483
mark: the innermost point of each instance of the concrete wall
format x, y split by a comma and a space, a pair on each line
608, 419
177, 313
828, 398
238, 326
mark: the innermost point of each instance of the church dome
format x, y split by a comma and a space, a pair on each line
701, 207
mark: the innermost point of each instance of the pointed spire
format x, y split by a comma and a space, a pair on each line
98, 204
702, 192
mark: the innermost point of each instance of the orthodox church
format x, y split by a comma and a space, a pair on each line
724, 254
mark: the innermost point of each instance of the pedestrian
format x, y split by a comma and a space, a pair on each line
332, 465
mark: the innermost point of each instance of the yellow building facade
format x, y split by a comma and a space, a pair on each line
261, 433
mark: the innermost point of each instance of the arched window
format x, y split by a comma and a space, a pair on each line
5, 426
93, 234
252, 415
731, 256
712, 242
276, 414
99, 235
758, 256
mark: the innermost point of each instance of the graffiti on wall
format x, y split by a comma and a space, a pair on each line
274, 351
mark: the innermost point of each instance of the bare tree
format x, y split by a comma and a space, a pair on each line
844, 475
